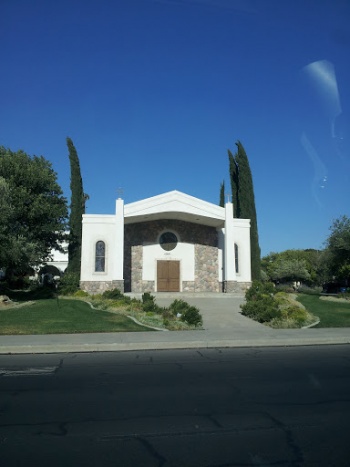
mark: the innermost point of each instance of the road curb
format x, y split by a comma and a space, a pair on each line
123, 347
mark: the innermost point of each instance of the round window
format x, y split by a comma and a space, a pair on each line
168, 241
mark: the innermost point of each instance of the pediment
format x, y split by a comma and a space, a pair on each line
174, 205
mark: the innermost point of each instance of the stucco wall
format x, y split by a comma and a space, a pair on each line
242, 239
97, 228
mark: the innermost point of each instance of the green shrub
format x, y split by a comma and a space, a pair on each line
41, 293
283, 323
178, 307
149, 303
292, 317
149, 306
115, 303
259, 288
114, 294
287, 288
297, 314
69, 283
135, 304
18, 282
167, 317
262, 310
266, 303
81, 293
260, 302
147, 297
188, 314
281, 299
96, 296
158, 309
192, 316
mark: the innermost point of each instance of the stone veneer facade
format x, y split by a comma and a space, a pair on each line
206, 268
234, 286
204, 239
96, 287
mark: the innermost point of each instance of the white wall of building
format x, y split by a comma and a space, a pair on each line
59, 258
110, 230
98, 228
242, 239
221, 259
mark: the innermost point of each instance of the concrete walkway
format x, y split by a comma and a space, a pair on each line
224, 326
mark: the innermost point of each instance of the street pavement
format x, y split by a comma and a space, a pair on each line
224, 326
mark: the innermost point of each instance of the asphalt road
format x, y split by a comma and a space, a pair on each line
211, 407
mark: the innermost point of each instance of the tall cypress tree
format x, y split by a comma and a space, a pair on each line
243, 192
222, 194
77, 209
234, 183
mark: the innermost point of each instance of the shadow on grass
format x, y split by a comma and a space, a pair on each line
38, 293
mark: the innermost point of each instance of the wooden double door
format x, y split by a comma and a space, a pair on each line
168, 276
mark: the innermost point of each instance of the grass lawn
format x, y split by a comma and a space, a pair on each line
332, 314
66, 316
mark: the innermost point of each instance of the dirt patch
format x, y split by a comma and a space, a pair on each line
7, 304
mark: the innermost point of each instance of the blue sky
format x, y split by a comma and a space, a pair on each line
154, 92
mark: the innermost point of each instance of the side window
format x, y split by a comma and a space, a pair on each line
236, 258
100, 256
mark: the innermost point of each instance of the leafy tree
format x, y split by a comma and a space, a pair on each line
244, 199
291, 270
295, 265
5, 204
338, 248
33, 211
77, 209
222, 194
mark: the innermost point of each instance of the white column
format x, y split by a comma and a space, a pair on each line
230, 268
119, 241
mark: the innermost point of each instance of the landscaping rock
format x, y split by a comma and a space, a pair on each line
4, 300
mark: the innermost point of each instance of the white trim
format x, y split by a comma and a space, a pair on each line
175, 205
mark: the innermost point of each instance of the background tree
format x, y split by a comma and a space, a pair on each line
33, 211
5, 206
77, 209
338, 249
5, 216
291, 270
243, 196
295, 265
222, 194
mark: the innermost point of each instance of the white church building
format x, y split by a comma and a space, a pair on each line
172, 242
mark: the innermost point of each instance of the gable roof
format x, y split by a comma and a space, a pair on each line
174, 205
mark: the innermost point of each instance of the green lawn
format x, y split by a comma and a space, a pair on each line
332, 314
62, 317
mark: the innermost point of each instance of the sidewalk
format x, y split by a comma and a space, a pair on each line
224, 326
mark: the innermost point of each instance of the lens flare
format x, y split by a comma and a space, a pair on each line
323, 78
